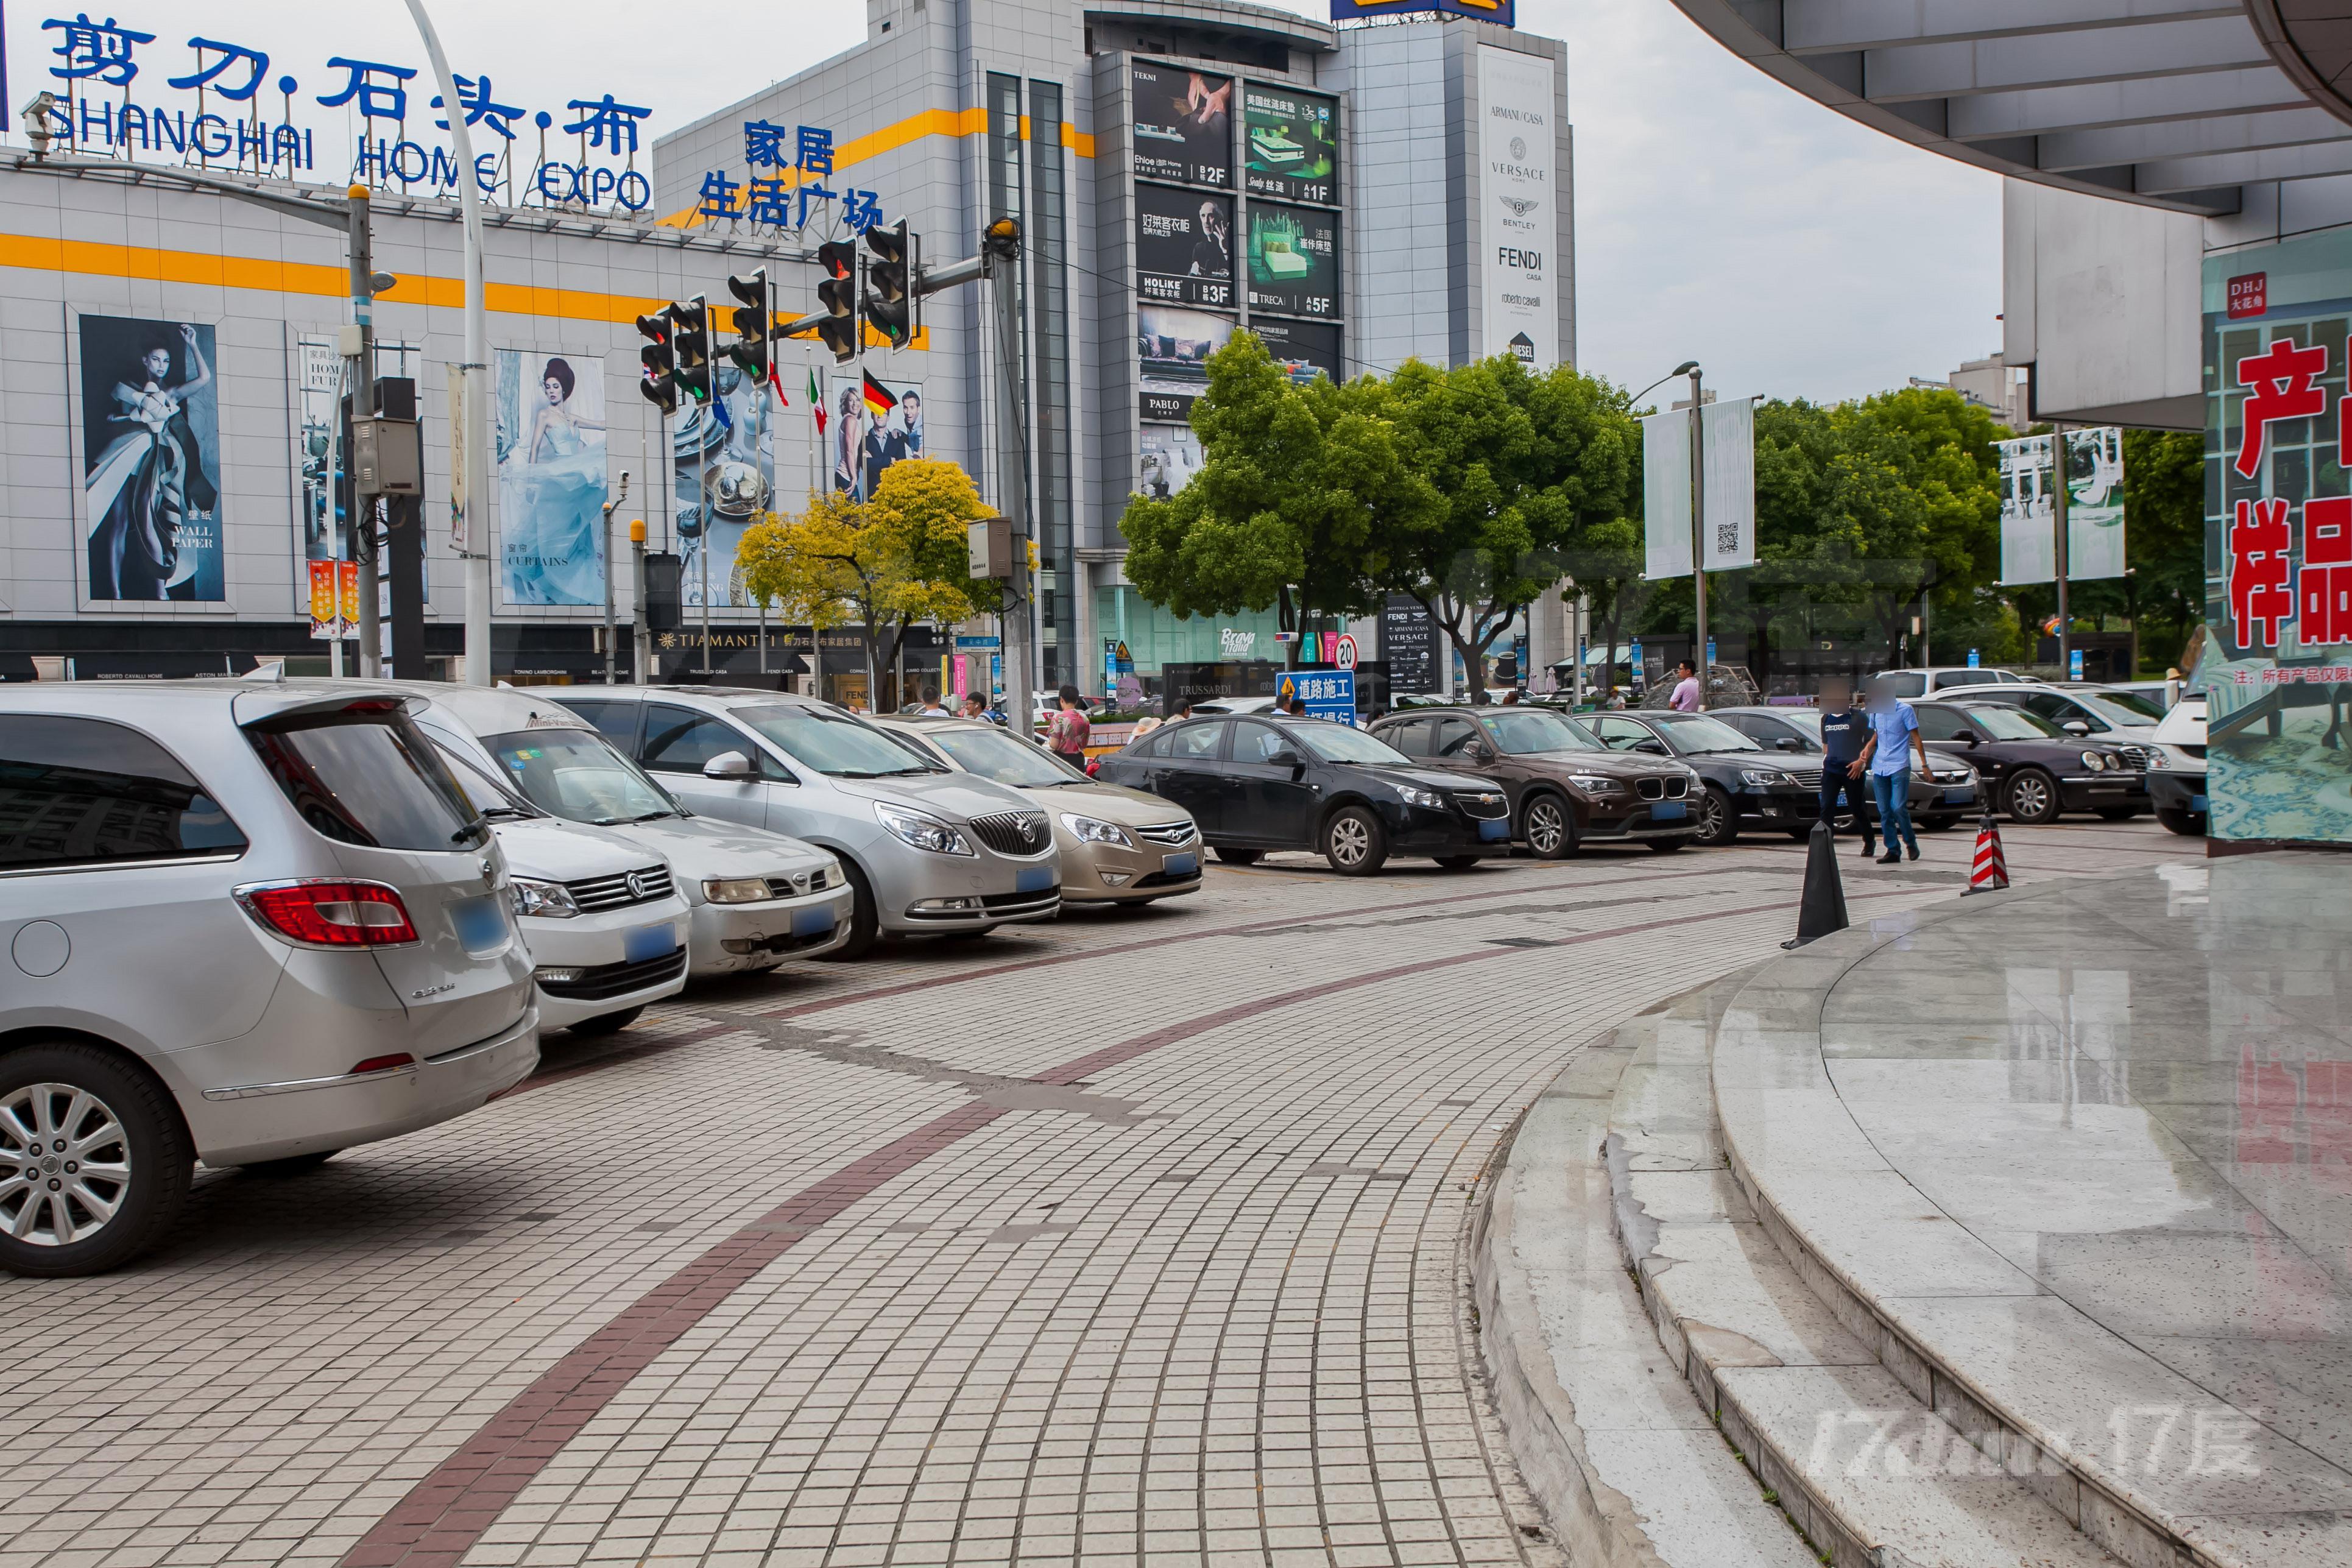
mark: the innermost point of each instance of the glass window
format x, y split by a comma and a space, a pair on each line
615, 721
2059, 709
1958, 678
1196, 743
2006, 723
1902, 683
1620, 734
1145, 745
366, 774
1695, 732
681, 740
1453, 738
1937, 722
2122, 708
578, 776
1409, 737
832, 743
1258, 742
993, 753
85, 792
1340, 744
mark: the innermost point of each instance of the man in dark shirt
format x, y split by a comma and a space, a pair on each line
1845, 728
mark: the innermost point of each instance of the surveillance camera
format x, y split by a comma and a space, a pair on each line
35, 117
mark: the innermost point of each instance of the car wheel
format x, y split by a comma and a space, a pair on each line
607, 1023
1354, 843
1718, 819
1549, 827
2119, 812
94, 1160
2188, 823
2031, 797
1940, 824
1667, 845
1456, 862
864, 921
1239, 857
291, 1165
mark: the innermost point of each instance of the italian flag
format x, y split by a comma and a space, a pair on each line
877, 397
816, 402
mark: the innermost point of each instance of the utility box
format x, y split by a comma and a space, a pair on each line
990, 545
388, 456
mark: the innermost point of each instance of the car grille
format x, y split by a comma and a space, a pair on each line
1811, 779
1014, 832
1167, 833
617, 979
795, 887
1485, 804
2136, 756
646, 885
1663, 788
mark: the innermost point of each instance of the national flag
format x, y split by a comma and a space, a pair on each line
877, 397
718, 412
816, 402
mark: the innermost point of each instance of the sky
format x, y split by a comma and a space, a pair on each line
1720, 216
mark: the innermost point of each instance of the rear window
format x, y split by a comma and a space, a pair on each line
368, 776
89, 792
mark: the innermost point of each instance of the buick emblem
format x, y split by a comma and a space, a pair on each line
1028, 833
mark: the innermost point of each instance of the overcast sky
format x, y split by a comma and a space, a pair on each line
1719, 216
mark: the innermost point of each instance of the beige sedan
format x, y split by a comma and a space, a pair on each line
1118, 845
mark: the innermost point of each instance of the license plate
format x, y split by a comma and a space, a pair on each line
1494, 828
480, 923
1958, 796
2197, 802
649, 941
1181, 864
813, 922
1668, 811
1032, 880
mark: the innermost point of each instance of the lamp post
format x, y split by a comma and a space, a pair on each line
1699, 659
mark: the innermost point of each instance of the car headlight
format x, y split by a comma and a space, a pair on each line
1414, 795
1594, 784
1760, 778
2094, 761
541, 900
1094, 830
735, 890
2156, 757
921, 830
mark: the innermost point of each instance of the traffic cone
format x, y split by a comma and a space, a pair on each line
1823, 908
1991, 872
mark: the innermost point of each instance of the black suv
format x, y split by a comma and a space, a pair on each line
1744, 782
1271, 781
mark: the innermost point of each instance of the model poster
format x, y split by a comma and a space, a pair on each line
1172, 349
1183, 125
1184, 246
1293, 260
875, 424
1305, 350
1290, 144
150, 455
552, 485
724, 477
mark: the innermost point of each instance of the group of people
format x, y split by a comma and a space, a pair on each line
1878, 739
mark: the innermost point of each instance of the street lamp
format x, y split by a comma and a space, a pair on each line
1699, 659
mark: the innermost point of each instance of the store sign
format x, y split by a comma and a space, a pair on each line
1290, 144
1184, 246
1409, 644
1293, 260
1502, 12
1520, 268
1184, 124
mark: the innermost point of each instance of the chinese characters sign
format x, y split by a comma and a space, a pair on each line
784, 185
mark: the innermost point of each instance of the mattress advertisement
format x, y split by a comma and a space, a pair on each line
1290, 144
150, 460
552, 485
1184, 246
1184, 124
1305, 350
724, 476
1293, 260
1172, 348
1519, 221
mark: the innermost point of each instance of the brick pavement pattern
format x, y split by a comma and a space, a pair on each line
1131, 1237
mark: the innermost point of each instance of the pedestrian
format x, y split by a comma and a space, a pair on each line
975, 706
1843, 730
930, 708
1066, 731
1685, 695
1511, 698
1893, 746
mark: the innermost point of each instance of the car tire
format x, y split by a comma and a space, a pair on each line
1667, 845
607, 1023
864, 919
142, 1136
1718, 818
1457, 862
1547, 824
2031, 797
2188, 823
2119, 812
1239, 857
291, 1165
1353, 842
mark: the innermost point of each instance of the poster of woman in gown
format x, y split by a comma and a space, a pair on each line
150, 441
552, 484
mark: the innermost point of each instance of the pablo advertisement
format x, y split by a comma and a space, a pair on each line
1172, 348
150, 460
552, 483
723, 477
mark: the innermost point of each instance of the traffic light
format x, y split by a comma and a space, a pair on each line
838, 295
659, 356
753, 319
889, 294
692, 344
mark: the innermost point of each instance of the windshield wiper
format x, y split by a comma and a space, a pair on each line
491, 812
652, 816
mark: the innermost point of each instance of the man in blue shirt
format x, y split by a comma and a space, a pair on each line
1893, 745
1843, 730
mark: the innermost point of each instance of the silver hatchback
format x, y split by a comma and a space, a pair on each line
246, 922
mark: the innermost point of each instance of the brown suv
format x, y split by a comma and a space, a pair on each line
1567, 789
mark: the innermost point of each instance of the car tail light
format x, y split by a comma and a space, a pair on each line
383, 1064
324, 913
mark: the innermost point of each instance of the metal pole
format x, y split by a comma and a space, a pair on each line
702, 553
363, 259
641, 638
618, 497
1013, 464
334, 496
476, 368
1699, 556
2058, 498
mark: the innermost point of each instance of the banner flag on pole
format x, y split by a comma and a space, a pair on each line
1729, 431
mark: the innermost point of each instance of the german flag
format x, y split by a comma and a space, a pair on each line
877, 397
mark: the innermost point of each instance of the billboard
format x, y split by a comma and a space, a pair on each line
1184, 124
150, 460
1293, 260
1519, 266
1290, 144
1171, 456
1728, 473
1173, 346
723, 475
1184, 246
1502, 12
875, 424
551, 486
1304, 349
2094, 507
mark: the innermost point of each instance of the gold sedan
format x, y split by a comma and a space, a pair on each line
1118, 845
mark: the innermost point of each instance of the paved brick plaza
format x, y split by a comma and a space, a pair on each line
1129, 1236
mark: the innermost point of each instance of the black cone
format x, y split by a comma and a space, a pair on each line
1823, 910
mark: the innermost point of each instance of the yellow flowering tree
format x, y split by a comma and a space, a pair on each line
880, 564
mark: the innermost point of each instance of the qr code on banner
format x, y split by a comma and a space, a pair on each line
1727, 539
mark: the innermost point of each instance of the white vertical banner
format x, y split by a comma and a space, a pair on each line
1667, 494
2029, 546
2095, 502
1517, 146
460, 531
1728, 474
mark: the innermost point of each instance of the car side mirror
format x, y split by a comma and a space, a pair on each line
1790, 744
1968, 737
1655, 748
729, 765
1479, 751
1288, 757
2076, 727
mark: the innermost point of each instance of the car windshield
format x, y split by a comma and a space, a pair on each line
1342, 743
833, 743
1527, 731
494, 800
2128, 709
2007, 723
1694, 733
993, 754
578, 776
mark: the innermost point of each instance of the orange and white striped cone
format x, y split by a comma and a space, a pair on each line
1991, 872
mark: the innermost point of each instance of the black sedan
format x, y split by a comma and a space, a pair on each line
1270, 781
1939, 798
1746, 784
2031, 768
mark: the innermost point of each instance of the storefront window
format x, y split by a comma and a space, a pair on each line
1158, 638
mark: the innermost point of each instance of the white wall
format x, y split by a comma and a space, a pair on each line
2101, 299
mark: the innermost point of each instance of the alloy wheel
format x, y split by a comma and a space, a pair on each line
1546, 827
64, 1164
2029, 797
1714, 818
1350, 841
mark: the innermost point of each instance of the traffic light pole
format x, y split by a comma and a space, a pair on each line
362, 381
1012, 464
1699, 659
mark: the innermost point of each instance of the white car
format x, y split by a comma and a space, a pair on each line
1947, 679
2178, 792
